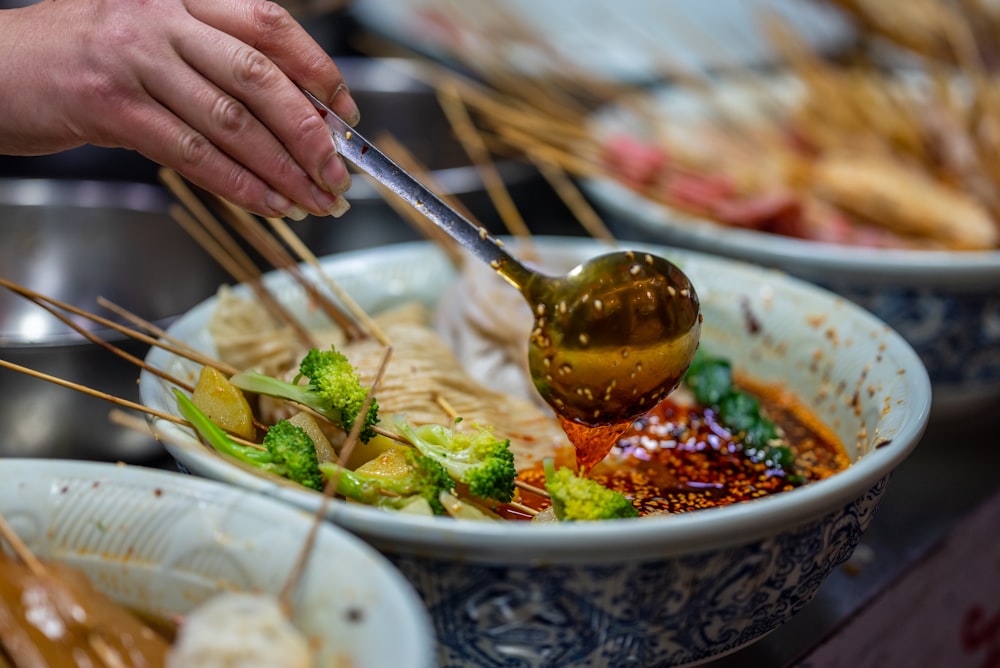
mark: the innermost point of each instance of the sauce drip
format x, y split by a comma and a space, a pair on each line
592, 442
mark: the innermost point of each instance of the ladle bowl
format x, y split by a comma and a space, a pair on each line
613, 337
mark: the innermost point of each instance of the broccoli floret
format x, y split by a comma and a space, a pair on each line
476, 457
576, 498
289, 453
333, 389
424, 477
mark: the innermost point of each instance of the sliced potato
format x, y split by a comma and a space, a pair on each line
324, 451
464, 509
223, 403
391, 463
374, 448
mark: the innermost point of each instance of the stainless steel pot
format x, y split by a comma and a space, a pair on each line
77, 241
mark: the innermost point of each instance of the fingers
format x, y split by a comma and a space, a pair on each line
260, 58
258, 118
270, 29
207, 87
170, 141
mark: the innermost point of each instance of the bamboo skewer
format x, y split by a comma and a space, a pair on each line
110, 398
21, 549
282, 229
150, 327
115, 350
256, 234
331, 485
213, 237
574, 200
119, 401
217, 242
470, 139
208, 233
185, 352
220, 245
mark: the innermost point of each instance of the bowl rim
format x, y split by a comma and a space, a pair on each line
419, 634
803, 256
642, 538
828, 261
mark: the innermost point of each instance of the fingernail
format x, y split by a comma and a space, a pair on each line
284, 206
345, 106
296, 213
324, 200
339, 208
336, 178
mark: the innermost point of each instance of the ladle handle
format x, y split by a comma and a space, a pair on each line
366, 157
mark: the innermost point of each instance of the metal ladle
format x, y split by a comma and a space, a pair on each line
611, 338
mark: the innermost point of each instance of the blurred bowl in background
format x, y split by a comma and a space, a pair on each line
638, 41
945, 303
76, 241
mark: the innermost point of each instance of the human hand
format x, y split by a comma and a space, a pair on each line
206, 87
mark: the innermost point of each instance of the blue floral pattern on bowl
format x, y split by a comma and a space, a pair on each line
669, 612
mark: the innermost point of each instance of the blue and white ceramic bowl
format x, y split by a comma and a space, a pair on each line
651, 592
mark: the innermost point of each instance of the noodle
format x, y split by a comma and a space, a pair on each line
422, 368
